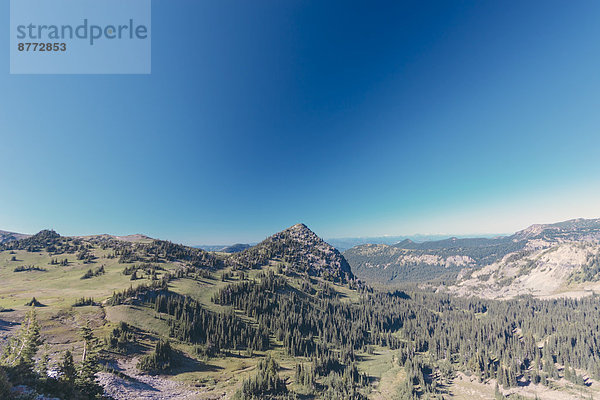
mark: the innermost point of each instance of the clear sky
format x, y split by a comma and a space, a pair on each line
356, 118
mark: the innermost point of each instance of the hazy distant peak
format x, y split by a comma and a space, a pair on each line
235, 248
405, 242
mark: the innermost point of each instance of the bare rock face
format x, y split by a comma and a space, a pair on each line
561, 269
561, 259
302, 251
543, 259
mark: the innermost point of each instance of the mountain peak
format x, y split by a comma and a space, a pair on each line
301, 230
302, 251
298, 227
405, 242
46, 234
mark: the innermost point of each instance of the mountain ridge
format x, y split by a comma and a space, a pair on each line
294, 297
453, 258
6, 236
297, 247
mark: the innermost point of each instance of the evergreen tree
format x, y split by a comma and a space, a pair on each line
86, 375
42, 366
5, 386
66, 369
22, 347
161, 359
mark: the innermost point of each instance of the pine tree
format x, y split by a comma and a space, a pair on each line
22, 347
42, 366
86, 376
159, 360
5, 386
66, 369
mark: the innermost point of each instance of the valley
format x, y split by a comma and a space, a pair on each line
291, 318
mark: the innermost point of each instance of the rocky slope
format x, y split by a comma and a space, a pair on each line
570, 268
555, 260
587, 230
542, 260
302, 251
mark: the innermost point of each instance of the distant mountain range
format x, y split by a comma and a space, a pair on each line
234, 248
10, 236
555, 260
297, 250
343, 244
541, 259
415, 262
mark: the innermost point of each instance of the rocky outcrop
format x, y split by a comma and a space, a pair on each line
300, 250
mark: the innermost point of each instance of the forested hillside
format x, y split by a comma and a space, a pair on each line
284, 319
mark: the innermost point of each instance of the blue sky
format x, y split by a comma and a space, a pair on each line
356, 118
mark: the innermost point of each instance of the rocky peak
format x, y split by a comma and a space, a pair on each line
301, 233
303, 251
405, 242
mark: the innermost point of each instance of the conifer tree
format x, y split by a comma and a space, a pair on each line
86, 375
5, 385
66, 369
23, 346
